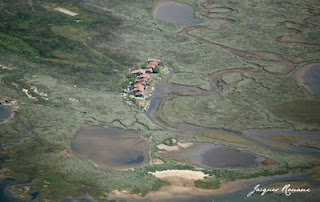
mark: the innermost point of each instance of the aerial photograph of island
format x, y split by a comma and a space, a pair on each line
159, 100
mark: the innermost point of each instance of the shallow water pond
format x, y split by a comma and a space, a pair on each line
113, 148
4, 114
175, 13
311, 78
213, 156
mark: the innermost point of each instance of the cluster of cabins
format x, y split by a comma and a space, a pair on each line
143, 76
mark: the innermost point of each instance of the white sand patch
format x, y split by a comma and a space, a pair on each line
26, 91
42, 94
66, 11
184, 144
157, 161
3, 67
186, 174
168, 148
174, 141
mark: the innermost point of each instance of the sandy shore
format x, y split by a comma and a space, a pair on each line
185, 174
177, 147
182, 186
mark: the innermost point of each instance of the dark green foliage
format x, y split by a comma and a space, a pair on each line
208, 184
156, 70
17, 45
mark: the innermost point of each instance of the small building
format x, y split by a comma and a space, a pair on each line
149, 70
138, 71
139, 89
151, 65
139, 94
142, 82
151, 60
146, 76
141, 79
138, 85
155, 62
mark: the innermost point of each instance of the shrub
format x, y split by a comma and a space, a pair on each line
156, 70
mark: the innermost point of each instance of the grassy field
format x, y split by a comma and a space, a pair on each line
81, 61
254, 103
186, 79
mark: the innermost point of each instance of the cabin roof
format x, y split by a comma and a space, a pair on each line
139, 93
134, 71
149, 70
144, 76
151, 65
137, 85
139, 88
142, 79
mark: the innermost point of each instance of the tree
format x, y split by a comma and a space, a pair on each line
156, 70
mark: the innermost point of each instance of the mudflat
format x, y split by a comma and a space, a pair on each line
113, 148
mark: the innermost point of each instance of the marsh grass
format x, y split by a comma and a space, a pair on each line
81, 61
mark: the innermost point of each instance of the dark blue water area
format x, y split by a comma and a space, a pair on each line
4, 113
311, 78
139, 159
30, 128
34, 195
5, 187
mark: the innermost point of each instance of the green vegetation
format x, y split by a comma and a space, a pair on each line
197, 80
232, 77
156, 70
211, 183
17, 45
82, 63
254, 103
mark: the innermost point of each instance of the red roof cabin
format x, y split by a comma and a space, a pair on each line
142, 79
138, 85
148, 70
139, 89
138, 71
155, 62
146, 76
151, 65
139, 94
142, 82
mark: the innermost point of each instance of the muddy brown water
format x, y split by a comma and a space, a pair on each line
4, 114
213, 156
175, 13
112, 148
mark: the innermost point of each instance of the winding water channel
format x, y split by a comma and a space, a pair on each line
277, 138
